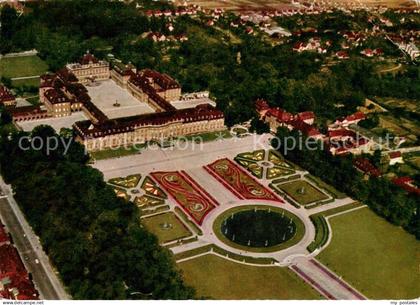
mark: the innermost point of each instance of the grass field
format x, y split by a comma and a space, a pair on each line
118, 152
22, 66
155, 225
330, 189
311, 194
377, 258
217, 278
410, 105
13, 67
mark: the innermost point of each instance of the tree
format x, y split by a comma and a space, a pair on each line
259, 126
8, 16
5, 117
73, 210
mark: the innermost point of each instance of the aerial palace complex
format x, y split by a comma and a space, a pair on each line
69, 91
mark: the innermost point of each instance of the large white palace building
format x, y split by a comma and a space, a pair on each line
66, 92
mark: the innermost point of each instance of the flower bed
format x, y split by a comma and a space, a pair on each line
238, 181
186, 194
127, 182
150, 187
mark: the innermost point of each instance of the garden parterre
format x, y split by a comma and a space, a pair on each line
238, 181
187, 194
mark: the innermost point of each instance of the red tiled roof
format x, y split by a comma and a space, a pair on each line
163, 80
10, 262
395, 154
405, 183
365, 166
87, 59
261, 104
355, 116
122, 125
5, 95
281, 115
402, 180
66, 76
55, 96
307, 115
20, 111
341, 133
342, 54
305, 128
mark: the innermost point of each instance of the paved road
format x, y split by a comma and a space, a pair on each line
324, 280
27, 243
25, 77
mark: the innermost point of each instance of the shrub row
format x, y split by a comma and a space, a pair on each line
321, 232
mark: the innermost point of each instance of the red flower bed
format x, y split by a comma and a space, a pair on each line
187, 193
238, 181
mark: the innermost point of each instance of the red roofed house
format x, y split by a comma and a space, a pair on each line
299, 47
308, 117
351, 119
367, 52
407, 184
364, 165
395, 157
342, 55
277, 117
14, 279
6, 97
262, 107
378, 52
306, 129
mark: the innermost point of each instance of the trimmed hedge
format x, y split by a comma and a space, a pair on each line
321, 232
281, 180
319, 203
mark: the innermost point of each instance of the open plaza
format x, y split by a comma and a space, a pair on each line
106, 94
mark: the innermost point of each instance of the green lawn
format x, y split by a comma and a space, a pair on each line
217, 278
379, 259
22, 66
30, 82
118, 152
330, 189
207, 137
310, 194
176, 231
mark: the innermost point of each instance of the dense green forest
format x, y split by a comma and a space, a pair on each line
382, 196
236, 72
94, 239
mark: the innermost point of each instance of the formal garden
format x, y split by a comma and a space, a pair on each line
265, 164
238, 181
167, 227
302, 192
189, 195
